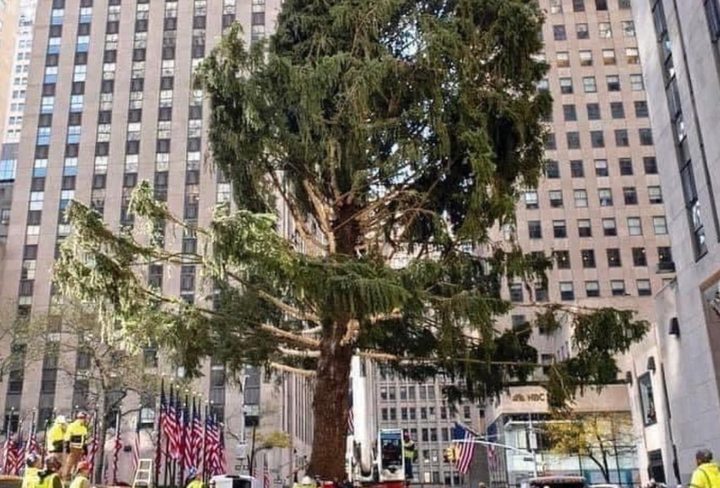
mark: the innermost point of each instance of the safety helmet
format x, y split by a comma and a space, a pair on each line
60, 419
31, 459
306, 480
192, 472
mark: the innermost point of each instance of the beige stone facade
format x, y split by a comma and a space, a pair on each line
9, 11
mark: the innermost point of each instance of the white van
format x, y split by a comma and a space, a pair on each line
234, 481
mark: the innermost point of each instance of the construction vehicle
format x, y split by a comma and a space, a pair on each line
372, 459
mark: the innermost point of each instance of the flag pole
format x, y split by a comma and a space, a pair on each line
158, 438
204, 445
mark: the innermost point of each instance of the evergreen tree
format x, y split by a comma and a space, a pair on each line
396, 134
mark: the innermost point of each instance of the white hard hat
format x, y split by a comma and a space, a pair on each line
60, 419
306, 480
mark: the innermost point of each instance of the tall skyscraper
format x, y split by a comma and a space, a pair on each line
110, 102
9, 10
681, 62
598, 212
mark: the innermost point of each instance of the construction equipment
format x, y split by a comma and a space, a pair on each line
143, 474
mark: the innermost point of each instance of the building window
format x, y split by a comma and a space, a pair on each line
613, 257
601, 5
634, 226
592, 289
586, 58
569, 113
637, 83
609, 57
589, 84
630, 195
556, 6
621, 138
578, 5
617, 110
584, 228
566, 86
628, 27
609, 227
552, 169
576, 169
559, 33
593, 111
617, 287
531, 200
647, 400
659, 225
639, 256
601, 168
626, 166
588, 258
604, 30
597, 139
582, 31
613, 83
516, 292
556, 199
573, 140
644, 288
559, 229
646, 138
567, 293
650, 166
562, 259
605, 197
562, 59
581, 198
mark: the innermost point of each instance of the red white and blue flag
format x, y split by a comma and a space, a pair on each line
466, 449
196, 437
266, 473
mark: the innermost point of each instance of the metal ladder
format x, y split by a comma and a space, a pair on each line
143, 475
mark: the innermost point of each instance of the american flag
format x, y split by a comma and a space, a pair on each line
212, 447
466, 447
12, 455
185, 448
196, 436
171, 425
266, 473
93, 445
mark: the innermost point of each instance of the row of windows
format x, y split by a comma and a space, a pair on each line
617, 111
585, 57
590, 84
422, 413
601, 168
604, 195
597, 139
556, 6
582, 31
588, 259
609, 227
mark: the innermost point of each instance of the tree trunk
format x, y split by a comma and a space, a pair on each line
330, 406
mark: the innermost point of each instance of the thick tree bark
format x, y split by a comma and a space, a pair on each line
330, 407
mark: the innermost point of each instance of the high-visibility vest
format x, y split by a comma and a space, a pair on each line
80, 481
193, 484
48, 481
410, 450
76, 434
31, 479
55, 438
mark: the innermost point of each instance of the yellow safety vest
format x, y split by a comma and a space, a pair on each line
48, 481
76, 434
31, 478
707, 475
193, 484
410, 450
55, 438
80, 481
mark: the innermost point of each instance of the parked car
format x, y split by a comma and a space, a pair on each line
234, 481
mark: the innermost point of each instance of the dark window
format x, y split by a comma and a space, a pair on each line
647, 400
98, 182
162, 146
129, 180
621, 138
559, 32
639, 256
168, 52
48, 89
75, 118
559, 229
576, 169
37, 184
534, 229
593, 111
597, 138
584, 228
562, 259
641, 109
68, 183
552, 169
630, 195
195, 112
81, 58
187, 278
617, 110
556, 199
137, 84
570, 113
258, 18
588, 258
712, 12
165, 113
578, 5
170, 23
626, 166
132, 147
167, 83
567, 293
30, 251
613, 257
107, 86
193, 144
135, 115
650, 165
112, 27
516, 292
104, 117
573, 140
199, 22
45, 120
646, 138
601, 4
141, 25
155, 275
609, 227
34, 218
550, 143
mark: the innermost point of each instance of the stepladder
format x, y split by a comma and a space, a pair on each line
143, 474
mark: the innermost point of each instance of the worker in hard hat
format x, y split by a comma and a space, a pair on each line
82, 476
192, 480
48, 477
76, 437
56, 436
31, 477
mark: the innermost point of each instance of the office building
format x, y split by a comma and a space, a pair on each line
9, 11
109, 102
677, 380
598, 212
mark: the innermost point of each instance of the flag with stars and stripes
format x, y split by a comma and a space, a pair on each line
466, 447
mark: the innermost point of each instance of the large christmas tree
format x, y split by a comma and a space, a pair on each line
396, 133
